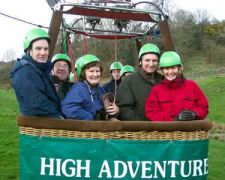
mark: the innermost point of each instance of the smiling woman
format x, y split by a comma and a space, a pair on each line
175, 98
84, 100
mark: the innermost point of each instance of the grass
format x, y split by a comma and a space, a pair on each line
216, 160
9, 165
9, 136
214, 90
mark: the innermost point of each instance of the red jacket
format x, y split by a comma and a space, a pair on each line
169, 98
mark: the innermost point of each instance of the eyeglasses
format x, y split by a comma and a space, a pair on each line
64, 66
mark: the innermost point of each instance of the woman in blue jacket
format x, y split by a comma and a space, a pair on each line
84, 100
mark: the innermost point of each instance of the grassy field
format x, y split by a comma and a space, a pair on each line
213, 87
9, 136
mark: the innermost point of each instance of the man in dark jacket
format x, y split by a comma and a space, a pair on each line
134, 90
60, 74
113, 84
31, 80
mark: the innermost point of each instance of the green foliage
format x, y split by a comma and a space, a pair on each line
213, 30
5, 69
192, 36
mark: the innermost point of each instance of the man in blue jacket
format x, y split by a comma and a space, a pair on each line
31, 81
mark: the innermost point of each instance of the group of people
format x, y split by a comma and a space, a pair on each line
43, 88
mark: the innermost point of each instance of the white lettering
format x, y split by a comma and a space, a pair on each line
145, 169
161, 170
197, 164
58, 167
72, 169
50, 166
173, 167
131, 170
205, 166
105, 169
124, 169
86, 168
182, 168
116, 169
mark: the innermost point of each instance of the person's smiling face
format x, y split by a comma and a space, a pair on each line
170, 73
61, 70
149, 63
93, 75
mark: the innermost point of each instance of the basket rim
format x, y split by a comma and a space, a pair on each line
110, 126
140, 135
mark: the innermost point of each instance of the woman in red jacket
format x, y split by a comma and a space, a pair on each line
175, 98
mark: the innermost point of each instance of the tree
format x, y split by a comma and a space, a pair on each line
202, 16
9, 55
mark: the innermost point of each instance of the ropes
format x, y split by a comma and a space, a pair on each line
115, 59
21, 20
115, 48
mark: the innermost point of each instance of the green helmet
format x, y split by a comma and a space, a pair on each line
77, 62
148, 48
116, 65
33, 35
83, 61
71, 77
126, 69
61, 57
170, 58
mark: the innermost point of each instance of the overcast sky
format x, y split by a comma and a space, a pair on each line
37, 11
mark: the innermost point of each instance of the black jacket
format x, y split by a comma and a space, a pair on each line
62, 87
110, 86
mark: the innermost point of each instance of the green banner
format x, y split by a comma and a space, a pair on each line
49, 158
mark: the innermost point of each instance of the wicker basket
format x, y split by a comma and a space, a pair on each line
132, 130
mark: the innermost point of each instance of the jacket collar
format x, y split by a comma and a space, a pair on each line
174, 83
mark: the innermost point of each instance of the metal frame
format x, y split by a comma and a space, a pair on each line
109, 11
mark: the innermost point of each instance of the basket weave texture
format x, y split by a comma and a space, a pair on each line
139, 135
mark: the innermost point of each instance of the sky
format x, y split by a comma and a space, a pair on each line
214, 7
37, 11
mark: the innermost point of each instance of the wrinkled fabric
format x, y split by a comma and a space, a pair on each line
111, 86
169, 98
132, 94
34, 89
82, 101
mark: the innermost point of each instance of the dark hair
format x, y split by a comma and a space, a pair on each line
83, 76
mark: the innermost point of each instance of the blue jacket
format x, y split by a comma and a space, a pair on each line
82, 101
34, 90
